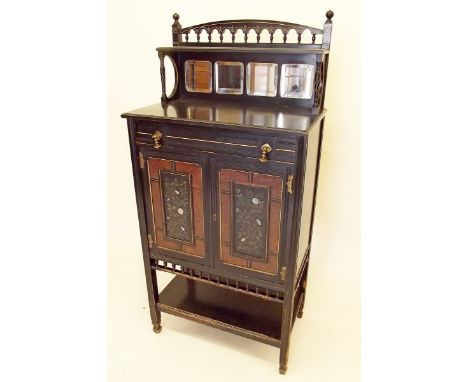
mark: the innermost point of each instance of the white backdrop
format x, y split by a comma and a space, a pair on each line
325, 344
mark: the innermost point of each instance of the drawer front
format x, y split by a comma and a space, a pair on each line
222, 140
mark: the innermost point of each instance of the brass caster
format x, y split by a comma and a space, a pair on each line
282, 369
299, 314
157, 328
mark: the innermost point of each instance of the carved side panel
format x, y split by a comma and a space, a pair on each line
318, 84
250, 220
177, 206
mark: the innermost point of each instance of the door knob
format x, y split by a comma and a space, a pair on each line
157, 139
266, 148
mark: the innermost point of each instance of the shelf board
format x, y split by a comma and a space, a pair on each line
241, 48
224, 309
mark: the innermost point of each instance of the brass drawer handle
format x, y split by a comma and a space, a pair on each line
266, 148
157, 139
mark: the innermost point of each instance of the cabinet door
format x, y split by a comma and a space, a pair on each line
176, 205
251, 199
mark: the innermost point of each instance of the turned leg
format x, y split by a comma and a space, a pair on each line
300, 311
286, 327
154, 298
284, 350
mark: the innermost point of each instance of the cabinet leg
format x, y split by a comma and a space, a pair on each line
285, 333
153, 300
284, 352
282, 369
300, 311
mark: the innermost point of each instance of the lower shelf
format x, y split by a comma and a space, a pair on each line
238, 313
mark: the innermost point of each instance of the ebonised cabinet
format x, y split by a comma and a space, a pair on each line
225, 173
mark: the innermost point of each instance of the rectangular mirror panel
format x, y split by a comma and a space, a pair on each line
229, 77
297, 80
262, 79
198, 76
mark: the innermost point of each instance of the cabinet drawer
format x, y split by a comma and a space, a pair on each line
222, 141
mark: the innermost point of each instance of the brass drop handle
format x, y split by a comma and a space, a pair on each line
266, 148
157, 139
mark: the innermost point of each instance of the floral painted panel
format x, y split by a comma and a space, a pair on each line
177, 206
250, 214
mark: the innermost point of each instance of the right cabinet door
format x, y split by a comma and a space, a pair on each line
252, 203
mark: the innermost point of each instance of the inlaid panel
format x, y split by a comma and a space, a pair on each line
250, 219
250, 205
177, 206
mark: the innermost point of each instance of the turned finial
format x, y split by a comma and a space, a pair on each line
176, 27
327, 30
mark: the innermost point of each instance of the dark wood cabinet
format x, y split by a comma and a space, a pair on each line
225, 173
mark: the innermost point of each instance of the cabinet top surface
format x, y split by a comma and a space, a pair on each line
230, 113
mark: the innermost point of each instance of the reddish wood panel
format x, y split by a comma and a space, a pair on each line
274, 182
225, 217
240, 176
224, 180
226, 257
196, 250
154, 165
274, 226
156, 204
162, 242
226, 176
271, 266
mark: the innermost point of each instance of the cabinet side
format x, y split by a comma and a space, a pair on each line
310, 185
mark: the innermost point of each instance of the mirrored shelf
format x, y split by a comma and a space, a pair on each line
261, 78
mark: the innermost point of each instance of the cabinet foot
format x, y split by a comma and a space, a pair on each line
299, 314
282, 369
157, 328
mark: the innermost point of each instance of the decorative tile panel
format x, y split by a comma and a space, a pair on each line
250, 206
177, 206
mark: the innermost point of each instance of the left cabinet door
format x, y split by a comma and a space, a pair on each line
176, 195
